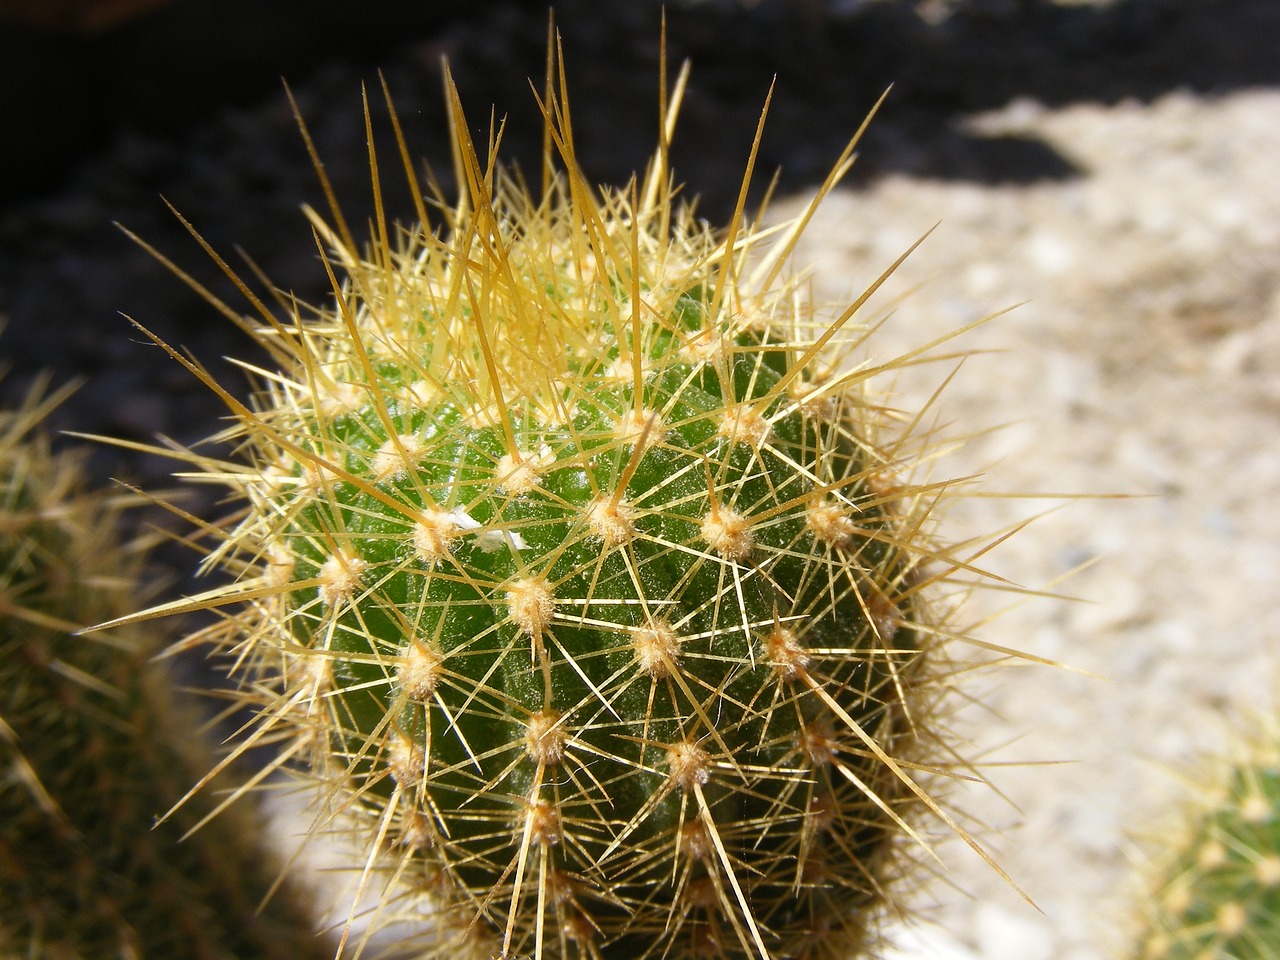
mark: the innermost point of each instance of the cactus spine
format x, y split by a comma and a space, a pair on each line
90, 754
582, 568
1220, 896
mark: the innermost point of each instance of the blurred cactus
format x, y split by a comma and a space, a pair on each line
92, 750
1218, 896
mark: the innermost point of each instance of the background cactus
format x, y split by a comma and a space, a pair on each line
583, 568
1218, 897
92, 750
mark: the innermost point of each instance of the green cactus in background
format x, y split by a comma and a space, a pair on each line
1219, 897
91, 750
586, 573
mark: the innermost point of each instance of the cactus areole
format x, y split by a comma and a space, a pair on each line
585, 569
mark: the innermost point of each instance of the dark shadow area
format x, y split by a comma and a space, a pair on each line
62, 95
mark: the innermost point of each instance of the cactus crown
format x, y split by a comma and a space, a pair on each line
583, 567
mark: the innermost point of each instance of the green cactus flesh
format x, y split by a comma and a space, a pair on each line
1223, 902
621, 642
578, 564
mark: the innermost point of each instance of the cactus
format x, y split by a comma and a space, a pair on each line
585, 571
1219, 898
91, 748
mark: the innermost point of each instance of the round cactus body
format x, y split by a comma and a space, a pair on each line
587, 575
640, 652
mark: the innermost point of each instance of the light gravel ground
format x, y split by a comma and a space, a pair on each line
1146, 362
